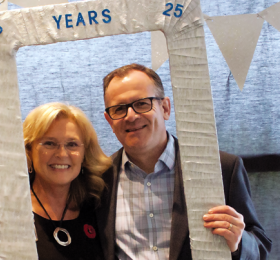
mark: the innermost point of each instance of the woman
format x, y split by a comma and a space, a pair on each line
65, 163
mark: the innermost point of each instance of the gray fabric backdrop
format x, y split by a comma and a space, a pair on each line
248, 122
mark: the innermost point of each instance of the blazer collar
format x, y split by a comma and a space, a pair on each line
106, 213
179, 223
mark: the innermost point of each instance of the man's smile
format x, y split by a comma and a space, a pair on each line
135, 129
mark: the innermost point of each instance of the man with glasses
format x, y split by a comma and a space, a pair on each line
143, 213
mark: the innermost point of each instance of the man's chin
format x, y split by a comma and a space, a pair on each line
134, 145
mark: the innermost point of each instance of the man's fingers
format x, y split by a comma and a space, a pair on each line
224, 210
225, 218
228, 235
220, 214
217, 224
222, 225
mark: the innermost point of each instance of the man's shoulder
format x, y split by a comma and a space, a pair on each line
226, 159
117, 155
229, 161
116, 160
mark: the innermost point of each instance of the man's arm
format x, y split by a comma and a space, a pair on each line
251, 242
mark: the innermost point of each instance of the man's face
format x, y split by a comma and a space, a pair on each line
137, 132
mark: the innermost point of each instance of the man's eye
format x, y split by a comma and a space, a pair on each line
141, 104
119, 109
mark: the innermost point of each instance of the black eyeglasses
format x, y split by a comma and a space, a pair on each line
139, 106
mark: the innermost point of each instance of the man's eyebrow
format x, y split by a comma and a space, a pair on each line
138, 99
120, 104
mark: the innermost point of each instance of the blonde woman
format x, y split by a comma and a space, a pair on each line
65, 163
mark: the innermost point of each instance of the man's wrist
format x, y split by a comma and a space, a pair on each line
236, 254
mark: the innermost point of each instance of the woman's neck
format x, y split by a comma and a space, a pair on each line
53, 199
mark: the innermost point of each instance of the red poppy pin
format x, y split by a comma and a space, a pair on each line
89, 231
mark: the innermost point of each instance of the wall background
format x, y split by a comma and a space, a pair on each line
247, 121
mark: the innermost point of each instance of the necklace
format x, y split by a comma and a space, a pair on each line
57, 229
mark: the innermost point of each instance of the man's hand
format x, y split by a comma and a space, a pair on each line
227, 222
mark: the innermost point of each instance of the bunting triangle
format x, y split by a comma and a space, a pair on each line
237, 37
159, 49
272, 15
32, 3
3, 5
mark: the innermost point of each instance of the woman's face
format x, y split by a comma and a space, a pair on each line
58, 165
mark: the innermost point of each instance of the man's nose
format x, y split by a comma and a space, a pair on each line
131, 115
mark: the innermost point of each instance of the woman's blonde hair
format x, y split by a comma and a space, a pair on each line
88, 184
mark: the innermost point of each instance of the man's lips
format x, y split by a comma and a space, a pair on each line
134, 129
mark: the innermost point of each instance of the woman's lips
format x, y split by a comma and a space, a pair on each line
60, 166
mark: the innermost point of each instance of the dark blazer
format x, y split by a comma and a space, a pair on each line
255, 244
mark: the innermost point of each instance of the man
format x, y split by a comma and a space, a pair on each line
143, 215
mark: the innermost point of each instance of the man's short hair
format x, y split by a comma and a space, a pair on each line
123, 71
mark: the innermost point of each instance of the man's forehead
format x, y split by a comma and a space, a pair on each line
129, 87
129, 75
132, 80
125, 79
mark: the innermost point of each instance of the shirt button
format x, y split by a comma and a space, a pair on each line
151, 215
149, 184
155, 248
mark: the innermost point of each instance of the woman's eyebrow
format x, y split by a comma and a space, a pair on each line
55, 139
48, 138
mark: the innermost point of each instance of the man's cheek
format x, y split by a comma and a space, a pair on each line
116, 128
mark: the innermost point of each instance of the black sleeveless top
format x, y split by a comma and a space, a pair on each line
85, 242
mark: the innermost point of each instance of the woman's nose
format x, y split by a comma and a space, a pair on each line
61, 150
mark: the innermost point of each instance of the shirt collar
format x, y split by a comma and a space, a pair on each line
167, 157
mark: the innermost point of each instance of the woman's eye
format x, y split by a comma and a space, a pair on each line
49, 143
72, 144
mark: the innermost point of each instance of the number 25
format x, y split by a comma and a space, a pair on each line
177, 9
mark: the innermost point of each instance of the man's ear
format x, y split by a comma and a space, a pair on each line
109, 120
166, 105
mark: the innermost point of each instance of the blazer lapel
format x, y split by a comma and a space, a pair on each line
179, 241
106, 213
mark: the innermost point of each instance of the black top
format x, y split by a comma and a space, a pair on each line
84, 235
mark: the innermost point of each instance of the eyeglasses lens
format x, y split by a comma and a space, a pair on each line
70, 146
139, 106
117, 111
143, 105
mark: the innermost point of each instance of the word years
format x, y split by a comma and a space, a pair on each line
91, 15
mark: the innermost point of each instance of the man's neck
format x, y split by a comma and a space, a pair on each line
146, 160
